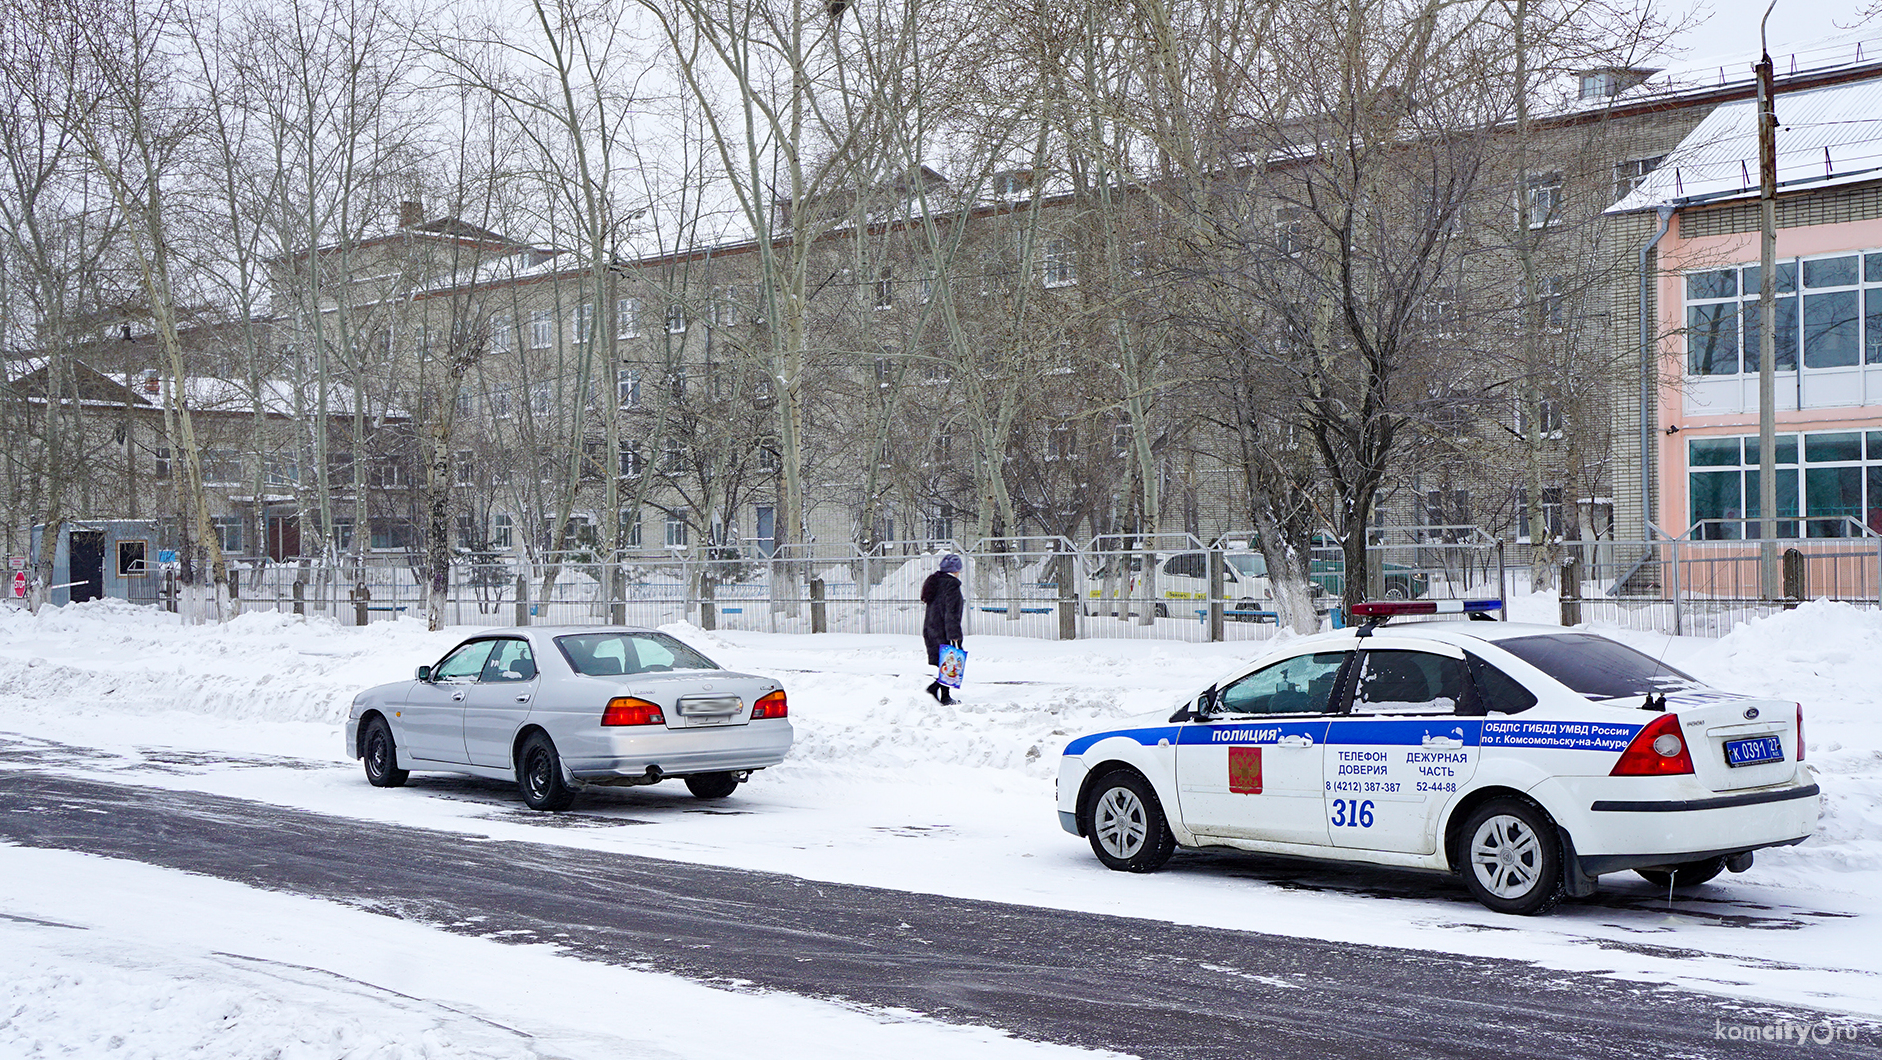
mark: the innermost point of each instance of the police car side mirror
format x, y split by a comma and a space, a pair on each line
424, 673
1200, 710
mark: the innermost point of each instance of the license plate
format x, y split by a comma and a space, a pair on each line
1754, 751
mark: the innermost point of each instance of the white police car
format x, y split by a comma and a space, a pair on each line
1529, 759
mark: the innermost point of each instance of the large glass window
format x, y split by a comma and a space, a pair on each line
1828, 315
1839, 479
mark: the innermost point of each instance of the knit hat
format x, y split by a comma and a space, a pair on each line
950, 563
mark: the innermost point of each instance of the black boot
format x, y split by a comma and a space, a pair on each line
946, 698
935, 690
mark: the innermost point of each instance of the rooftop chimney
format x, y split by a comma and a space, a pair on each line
411, 214
127, 332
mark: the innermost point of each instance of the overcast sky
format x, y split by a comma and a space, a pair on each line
1727, 30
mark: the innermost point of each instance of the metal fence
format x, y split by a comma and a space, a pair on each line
1040, 587
1053, 588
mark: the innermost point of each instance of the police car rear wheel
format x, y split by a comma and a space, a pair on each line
1691, 874
1512, 860
1126, 825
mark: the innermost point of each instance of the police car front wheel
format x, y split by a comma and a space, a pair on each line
1126, 825
1512, 859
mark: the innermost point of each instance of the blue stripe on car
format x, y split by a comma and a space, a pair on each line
1147, 737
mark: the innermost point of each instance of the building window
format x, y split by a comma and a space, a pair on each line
392, 534
1290, 230
1548, 419
541, 398
627, 318
541, 331
131, 559
1551, 513
1061, 442
1551, 299
466, 465
1121, 440
502, 404
582, 328
885, 371
676, 385
1628, 175
766, 534
466, 532
228, 530
160, 462
673, 457
629, 526
632, 463
676, 318
885, 288
940, 523
627, 388
1060, 264
281, 469
1543, 199
502, 333
1439, 312
1841, 484
503, 532
676, 530
1839, 325
222, 466
389, 473
466, 403
421, 340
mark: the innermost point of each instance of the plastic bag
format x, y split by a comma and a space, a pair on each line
953, 666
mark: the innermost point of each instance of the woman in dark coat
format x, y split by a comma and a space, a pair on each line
942, 625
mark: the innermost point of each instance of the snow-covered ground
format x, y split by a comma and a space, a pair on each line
884, 787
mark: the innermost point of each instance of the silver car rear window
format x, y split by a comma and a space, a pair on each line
612, 654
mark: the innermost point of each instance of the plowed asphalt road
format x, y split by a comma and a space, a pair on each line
1136, 986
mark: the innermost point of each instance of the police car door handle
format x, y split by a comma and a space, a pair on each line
1294, 741
1443, 742
457, 695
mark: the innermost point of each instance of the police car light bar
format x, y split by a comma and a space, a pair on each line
1392, 608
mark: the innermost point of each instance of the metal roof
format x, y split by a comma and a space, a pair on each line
1826, 136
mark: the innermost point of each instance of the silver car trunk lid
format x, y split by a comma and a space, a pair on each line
692, 699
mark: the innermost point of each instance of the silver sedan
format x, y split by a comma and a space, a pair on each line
562, 709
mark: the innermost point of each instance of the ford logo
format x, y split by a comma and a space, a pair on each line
1751, 713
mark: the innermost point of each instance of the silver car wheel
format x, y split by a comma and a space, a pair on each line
1119, 823
1507, 856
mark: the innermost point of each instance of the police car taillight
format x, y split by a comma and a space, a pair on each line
1655, 751
770, 705
1800, 732
627, 710
1391, 608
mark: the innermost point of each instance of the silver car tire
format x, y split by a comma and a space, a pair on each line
380, 754
712, 785
1512, 860
1124, 821
539, 775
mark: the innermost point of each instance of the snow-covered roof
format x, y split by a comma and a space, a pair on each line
1826, 136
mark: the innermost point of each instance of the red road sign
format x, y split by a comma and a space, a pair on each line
19, 585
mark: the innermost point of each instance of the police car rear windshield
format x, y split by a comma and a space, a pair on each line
1595, 666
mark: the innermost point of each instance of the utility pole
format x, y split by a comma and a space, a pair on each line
1767, 323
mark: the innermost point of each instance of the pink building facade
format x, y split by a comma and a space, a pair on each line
1828, 319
